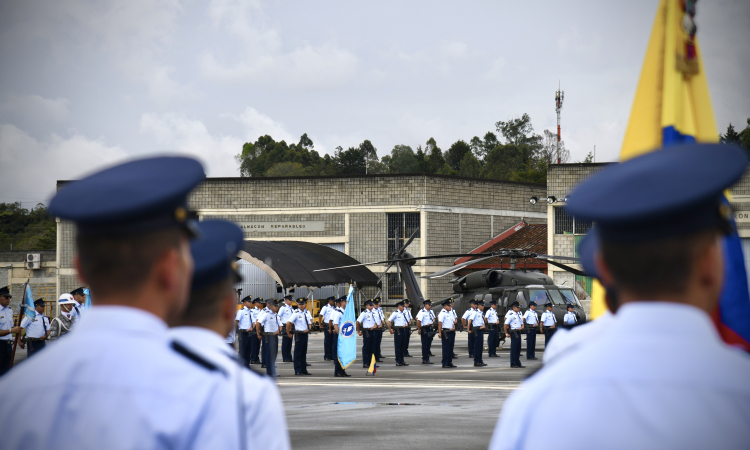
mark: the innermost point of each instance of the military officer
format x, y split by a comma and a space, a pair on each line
379, 323
336, 319
206, 320
269, 326
513, 328
531, 320
37, 329
570, 319
426, 329
259, 330
285, 313
301, 320
407, 312
243, 323
549, 323
477, 327
6, 329
664, 227
365, 327
131, 387
63, 323
255, 342
324, 318
79, 296
492, 329
465, 321
447, 332
398, 325
379, 330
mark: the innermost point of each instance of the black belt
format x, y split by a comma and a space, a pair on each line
30, 339
7, 341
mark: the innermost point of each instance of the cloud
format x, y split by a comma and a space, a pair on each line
35, 108
38, 164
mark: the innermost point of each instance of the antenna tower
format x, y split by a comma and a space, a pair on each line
559, 96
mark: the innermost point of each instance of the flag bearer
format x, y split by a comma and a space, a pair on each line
513, 329
426, 329
492, 334
532, 324
37, 329
365, 327
336, 319
447, 332
398, 321
301, 320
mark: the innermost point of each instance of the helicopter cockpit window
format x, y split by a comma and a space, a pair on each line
520, 298
506, 296
478, 297
541, 297
569, 296
487, 299
556, 298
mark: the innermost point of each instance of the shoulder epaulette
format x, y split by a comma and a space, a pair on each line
194, 357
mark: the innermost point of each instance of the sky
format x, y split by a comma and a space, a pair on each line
88, 83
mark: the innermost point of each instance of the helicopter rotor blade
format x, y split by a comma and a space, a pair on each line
546, 257
568, 268
398, 271
413, 235
385, 272
441, 273
356, 265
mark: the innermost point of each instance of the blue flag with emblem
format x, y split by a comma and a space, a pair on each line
28, 302
87, 304
347, 352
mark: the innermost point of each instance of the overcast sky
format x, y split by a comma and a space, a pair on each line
88, 83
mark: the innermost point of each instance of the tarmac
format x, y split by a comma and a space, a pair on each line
400, 407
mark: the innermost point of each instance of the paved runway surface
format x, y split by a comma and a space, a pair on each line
400, 407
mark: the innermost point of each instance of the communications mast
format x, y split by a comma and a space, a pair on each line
559, 96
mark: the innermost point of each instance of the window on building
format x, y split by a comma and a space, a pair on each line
567, 224
395, 287
400, 228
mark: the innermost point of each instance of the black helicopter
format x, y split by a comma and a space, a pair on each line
504, 286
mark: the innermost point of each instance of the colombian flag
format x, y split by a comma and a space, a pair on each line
672, 106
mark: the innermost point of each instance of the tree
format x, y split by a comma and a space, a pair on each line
548, 152
22, 229
490, 142
446, 170
456, 153
730, 137
403, 160
519, 132
588, 159
423, 165
477, 147
470, 166
286, 169
504, 161
745, 137
435, 158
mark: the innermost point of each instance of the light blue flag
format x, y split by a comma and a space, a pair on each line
28, 302
87, 305
347, 352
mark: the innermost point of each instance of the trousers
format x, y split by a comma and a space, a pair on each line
426, 342
548, 333
530, 342
515, 349
406, 341
286, 348
263, 351
378, 340
471, 344
34, 346
478, 345
492, 340
6, 352
337, 370
271, 349
399, 341
254, 347
245, 347
368, 338
447, 343
327, 343
300, 353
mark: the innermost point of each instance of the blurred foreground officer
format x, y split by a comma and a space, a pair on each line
401, 325
299, 324
569, 341
336, 319
63, 323
202, 329
285, 313
513, 328
661, 219
532, 324
492, 326
365, 328
37, 329
426, 329
447, 332
6, 329
118, 379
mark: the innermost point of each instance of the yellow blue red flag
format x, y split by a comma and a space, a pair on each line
672, 106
